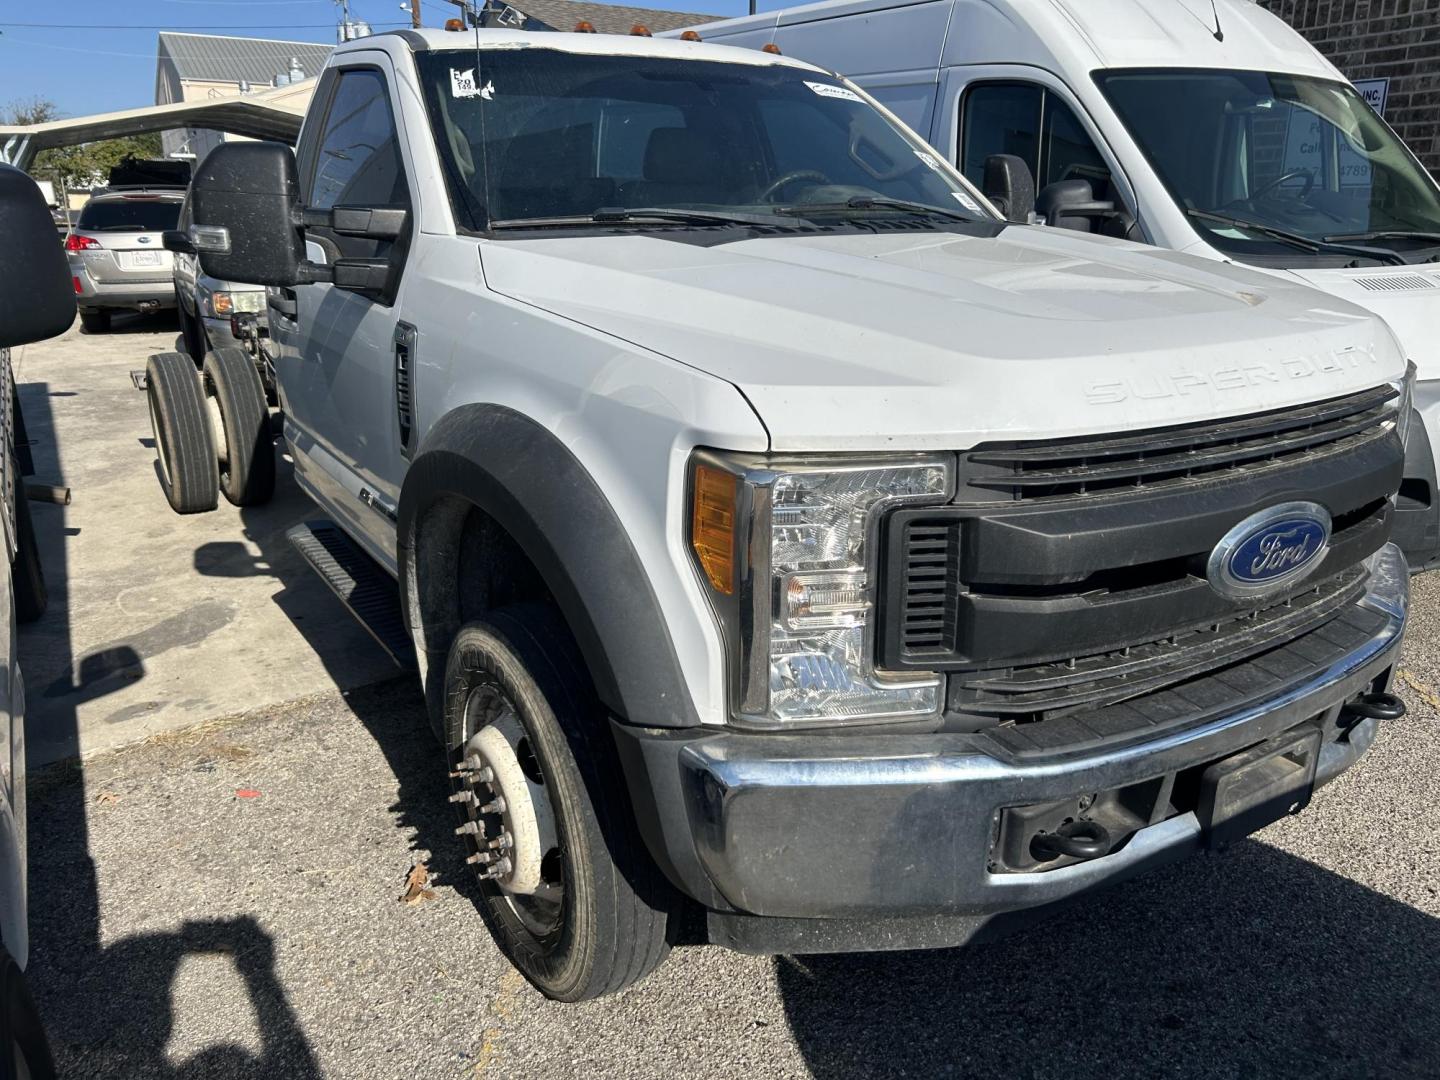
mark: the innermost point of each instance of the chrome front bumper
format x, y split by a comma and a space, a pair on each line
828, 826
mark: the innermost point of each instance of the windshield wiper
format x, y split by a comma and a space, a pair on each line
1389, 234
620, 215
1304, 243
874, 202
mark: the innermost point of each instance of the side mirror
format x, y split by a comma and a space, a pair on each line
1071, 204
177, 241
245, 199
37, 300
1009, 185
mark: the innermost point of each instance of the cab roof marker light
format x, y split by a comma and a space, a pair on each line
454, 25
771, 47
640, 30
585, 27
689, 35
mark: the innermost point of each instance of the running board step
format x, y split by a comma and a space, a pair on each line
362, 586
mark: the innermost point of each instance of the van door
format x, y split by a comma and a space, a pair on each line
1008, 109
337, 350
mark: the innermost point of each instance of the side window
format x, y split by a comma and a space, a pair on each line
357, 158
1029, 121
358, 161
1000, 118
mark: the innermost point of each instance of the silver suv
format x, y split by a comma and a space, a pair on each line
205, 303
117, 259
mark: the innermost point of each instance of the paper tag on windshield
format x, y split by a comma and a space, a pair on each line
463, 84
967, 202
928, 159
826, 90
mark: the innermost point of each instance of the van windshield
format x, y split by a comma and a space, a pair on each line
1270, 166
537, 137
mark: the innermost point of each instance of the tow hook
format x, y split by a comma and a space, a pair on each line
1077, 839
148, 307
1376, 706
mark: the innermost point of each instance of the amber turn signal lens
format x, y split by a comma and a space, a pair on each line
712, 526
639, 30
689, 35
770, 47
454, 24
583, 27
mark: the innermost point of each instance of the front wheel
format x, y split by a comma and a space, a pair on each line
184, 443
240, 416
24, 1053
568, 890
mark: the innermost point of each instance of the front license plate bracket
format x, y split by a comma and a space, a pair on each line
1255, 787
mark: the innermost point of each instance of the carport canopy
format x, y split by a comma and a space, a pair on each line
270, 114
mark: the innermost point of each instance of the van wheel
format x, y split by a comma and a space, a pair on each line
95, 321
192, 331
183, 442
23, 1049
27, 578
568, 890
240, 419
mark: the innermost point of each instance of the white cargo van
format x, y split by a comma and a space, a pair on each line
1211, 129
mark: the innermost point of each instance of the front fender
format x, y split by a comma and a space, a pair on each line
529, 482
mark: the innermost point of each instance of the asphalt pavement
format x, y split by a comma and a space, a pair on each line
223, 901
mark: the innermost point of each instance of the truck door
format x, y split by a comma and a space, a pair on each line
336, 350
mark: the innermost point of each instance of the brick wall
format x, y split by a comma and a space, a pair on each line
1379, 39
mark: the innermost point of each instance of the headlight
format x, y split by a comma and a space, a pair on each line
1406, 405
224, 303
787, 550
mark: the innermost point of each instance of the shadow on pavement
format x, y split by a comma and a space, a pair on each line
1254, 963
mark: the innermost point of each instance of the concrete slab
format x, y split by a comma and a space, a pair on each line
158, 621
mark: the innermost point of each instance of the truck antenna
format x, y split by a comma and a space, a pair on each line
1214, 10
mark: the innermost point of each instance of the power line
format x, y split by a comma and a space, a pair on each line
73, 27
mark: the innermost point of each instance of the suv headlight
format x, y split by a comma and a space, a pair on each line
787, 550
1406, 405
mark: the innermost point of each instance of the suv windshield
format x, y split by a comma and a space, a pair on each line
129, 214
544, 136
1304, 159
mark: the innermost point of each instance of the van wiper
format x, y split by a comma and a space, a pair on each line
874, 202
1304, 243
1389, 234
620, 215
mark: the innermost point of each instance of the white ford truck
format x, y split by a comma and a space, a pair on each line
789, 546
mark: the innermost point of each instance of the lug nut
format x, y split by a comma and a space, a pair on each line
494, 806
502, 841
464, 797
471, 828
480, 857
499, 870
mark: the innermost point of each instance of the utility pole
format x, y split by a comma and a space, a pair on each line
415, 14
344, 19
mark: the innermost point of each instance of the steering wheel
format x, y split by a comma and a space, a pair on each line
1308, 175
775, 186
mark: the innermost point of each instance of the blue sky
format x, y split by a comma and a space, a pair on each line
99, 55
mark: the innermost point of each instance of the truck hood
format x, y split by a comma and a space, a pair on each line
943, 340
1406, 297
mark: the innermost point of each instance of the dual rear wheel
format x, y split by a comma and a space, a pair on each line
212, 430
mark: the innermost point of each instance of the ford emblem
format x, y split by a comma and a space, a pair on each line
1270, 550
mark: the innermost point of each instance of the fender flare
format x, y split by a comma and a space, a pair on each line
532, 486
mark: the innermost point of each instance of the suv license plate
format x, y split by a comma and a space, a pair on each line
136, 259
1255, 787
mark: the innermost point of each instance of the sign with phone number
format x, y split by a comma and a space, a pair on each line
1374, 91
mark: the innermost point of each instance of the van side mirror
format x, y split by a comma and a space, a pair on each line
178, 241
1009, 185
245, 199
38, 298
1071, 204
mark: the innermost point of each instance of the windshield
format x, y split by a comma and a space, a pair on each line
130, 215
541, 135
1300, 156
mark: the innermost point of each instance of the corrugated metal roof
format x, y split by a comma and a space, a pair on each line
562, 15
233, 59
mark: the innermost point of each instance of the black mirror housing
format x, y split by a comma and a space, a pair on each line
245, 200
38, 298
178, 241
1010, 186
1071, 204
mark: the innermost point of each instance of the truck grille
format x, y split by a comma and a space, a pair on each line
1071, 575
1174, 455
